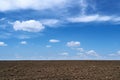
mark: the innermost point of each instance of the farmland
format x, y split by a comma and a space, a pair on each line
60, 70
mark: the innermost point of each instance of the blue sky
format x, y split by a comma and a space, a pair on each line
59, 30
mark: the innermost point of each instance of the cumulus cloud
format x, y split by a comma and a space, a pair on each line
30, 4
89, 54
73, 44
92, 53
23, 42
54, 40
30, 26
3, 44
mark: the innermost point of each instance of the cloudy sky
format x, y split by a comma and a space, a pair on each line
59, 29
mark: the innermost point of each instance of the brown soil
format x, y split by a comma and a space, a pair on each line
59, 70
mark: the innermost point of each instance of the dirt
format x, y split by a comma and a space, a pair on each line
59, 70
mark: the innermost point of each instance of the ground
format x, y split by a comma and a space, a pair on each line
60, 70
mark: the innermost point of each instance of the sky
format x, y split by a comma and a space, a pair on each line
60, 30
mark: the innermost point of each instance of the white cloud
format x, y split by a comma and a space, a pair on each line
7, 5
2, 19
83, 5
111, 54
115, 54
23, 36
116, 19
83, 18
23, 42
54, 40
5, 35
3, 44
73, 44
48, 46
118, 52
65, 54
90, 18
50, 22
30, 26
80, 49
81, 54
104, 18
92, 53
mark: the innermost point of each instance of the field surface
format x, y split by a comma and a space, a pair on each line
59, 70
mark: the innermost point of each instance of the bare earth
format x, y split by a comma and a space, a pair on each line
59, 70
